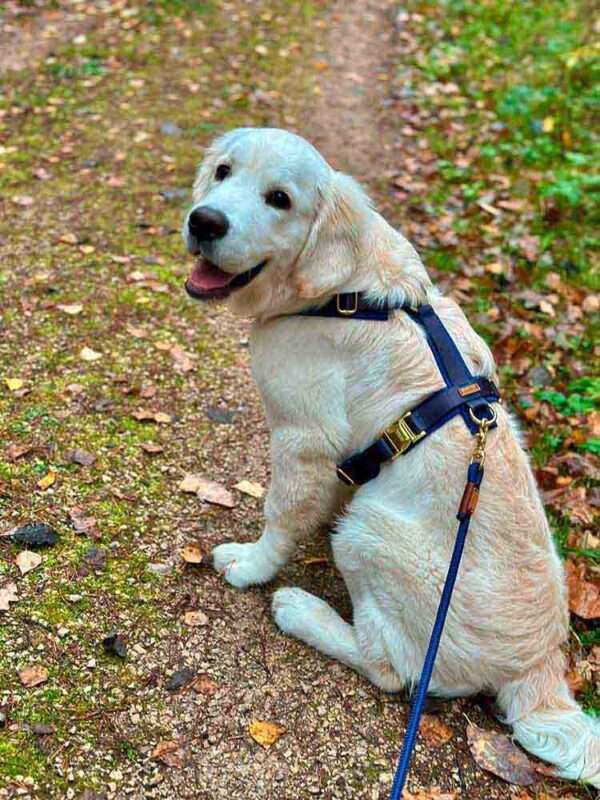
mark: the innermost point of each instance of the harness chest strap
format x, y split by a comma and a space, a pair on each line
465, 394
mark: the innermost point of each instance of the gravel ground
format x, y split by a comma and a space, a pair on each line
122, 133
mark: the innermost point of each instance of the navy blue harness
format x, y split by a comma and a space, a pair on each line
464, 394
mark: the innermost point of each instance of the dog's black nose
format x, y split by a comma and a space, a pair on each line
206, 223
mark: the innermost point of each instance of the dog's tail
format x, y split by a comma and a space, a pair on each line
547, 721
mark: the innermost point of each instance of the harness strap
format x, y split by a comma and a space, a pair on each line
425, 418
352, 305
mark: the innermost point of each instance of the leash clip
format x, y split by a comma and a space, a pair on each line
483, 427
347, 312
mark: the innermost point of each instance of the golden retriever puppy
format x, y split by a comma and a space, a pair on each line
277, 230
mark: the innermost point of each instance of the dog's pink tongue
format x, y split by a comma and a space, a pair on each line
206, 276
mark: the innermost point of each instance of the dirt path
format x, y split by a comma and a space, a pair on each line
98, 150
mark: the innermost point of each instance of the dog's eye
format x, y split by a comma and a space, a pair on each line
278, 199
222, 172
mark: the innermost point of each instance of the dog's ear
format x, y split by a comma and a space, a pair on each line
329, 255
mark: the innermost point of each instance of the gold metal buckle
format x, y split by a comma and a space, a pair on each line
400, 436
347, 311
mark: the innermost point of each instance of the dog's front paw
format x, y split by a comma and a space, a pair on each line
243, 564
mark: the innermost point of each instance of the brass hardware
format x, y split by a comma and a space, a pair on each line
344, 476
470, 389
347, 311
483, 426
400, 436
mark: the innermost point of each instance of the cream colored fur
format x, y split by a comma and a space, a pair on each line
329, 387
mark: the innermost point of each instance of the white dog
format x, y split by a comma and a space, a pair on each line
277, 231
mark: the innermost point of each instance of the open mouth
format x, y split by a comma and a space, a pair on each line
207, 281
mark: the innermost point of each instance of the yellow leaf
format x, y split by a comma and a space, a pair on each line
70, 308
192, 554
548, 124
265, 733
47, 481
13, 384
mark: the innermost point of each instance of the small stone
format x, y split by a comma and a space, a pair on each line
34, 535
170, 129
179, 679
42, 729
161, 570
222, 416
114, 644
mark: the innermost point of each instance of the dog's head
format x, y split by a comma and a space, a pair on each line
274, 227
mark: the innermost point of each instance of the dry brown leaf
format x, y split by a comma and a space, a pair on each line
209, 491
143, 415
152, 448
248, 487
434, 731
495, 753
8, 595
33, 676
81, 522
137, 332
192, 554
584, 596
68, 238
16, 451
202, 684
27, 560
195, 619
167, 752
430, 794
183, 361
47, 481
265, 733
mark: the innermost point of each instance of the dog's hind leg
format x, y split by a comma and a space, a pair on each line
311, 619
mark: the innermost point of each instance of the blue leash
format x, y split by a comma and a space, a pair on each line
467, 507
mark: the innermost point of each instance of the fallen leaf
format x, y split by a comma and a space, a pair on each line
27, 560
14, 384
144, 415
584, 596
195, 619
265, 733
434, 731
47, 481
87, 354
202, 684
23, 200
68, 238
192, 554
137, 332
495, 753
81, 522
248, 487
87, 249
430, 794
70, 308
153, 449
183, 361
167, 752
8, 595
33, 676
208, 491
16, 451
